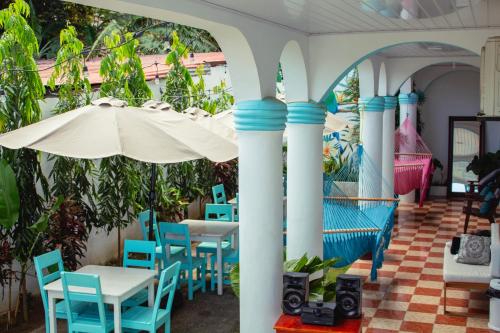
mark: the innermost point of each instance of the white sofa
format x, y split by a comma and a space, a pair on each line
457, 275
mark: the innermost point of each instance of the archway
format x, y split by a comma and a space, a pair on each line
294, 72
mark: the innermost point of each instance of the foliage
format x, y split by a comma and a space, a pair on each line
485, 164
178, 81
227, 173
351, 91
320, 289
72, 177
23, 89
171, 204
9, 196
121, 70
67, 230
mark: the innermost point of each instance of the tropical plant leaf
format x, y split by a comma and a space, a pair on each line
9, 196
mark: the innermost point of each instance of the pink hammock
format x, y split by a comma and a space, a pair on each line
412, 162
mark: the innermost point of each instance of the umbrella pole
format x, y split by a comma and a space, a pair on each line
152, 200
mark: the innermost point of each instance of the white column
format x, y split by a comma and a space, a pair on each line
305, 180
390, 103
408, 109
260, 126
372, 110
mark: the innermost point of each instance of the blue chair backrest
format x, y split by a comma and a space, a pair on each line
144, 248
174, 234
216, 212
219, 194
48, 268
168, 282
89, 291
143, 219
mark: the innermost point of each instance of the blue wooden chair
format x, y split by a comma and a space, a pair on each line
142, 248
48, 268
231, 258
151, 319
143, 219
215, 212
219, 194
173, 234
85, 321
236, 217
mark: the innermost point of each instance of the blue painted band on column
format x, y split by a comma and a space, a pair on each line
408, 98
306, 113
390, 102
267, 114
371, 104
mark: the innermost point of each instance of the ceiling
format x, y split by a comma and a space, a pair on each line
425, 50
348, 16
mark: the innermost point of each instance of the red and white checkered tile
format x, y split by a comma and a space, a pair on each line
408, 294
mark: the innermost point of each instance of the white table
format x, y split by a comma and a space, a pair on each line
117, 285
212, 231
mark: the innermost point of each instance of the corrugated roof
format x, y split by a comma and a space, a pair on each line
211, 58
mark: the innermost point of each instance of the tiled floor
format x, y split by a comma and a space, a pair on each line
407, 297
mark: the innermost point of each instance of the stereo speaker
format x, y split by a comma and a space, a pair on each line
349, 295
295, 292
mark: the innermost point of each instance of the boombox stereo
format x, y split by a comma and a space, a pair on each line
295, 292
318, 313
349, 293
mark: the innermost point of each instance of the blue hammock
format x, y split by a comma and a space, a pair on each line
356, 224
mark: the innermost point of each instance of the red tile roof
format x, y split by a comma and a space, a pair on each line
212, 58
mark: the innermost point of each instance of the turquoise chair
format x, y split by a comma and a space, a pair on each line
85, 321
173, 234
215, 212
231, 257
48, 268
143, 248
143, 219
219, 194
236, 217
151, 319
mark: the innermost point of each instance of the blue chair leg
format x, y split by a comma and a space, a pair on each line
47, 323
190, 285
203, 277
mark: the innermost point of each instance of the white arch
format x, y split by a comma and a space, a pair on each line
400, 69
382, 80
294, 73
331, 56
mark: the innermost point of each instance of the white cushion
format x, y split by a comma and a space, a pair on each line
495, 250
456, 272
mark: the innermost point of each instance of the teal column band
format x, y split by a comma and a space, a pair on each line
371, 104
390, 102
306, 113
267, 114
408, 98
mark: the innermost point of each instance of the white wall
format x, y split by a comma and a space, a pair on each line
492, 136
453, 94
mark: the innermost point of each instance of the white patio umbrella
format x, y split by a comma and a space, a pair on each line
332, 123
109, 127
211, 123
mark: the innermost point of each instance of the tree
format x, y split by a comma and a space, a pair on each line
72, 177
23, 88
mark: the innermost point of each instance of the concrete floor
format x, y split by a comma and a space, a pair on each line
207, 313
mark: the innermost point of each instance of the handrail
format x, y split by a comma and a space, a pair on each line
408, 164
361, 199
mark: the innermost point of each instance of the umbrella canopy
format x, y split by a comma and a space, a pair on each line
211, 123
109, 127
194, 113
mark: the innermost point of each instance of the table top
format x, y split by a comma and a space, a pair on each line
293, 324
115, 281
210, 228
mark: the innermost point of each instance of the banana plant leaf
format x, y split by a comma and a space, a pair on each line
9, 196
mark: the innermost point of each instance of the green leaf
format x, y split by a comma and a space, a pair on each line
9, 196
42, 224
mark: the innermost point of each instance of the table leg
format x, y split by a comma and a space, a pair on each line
220, 269
151, 293
52, 314
118, 316
236, 238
